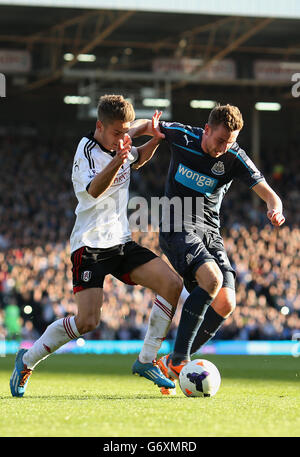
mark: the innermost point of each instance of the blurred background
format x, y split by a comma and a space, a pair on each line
55, 62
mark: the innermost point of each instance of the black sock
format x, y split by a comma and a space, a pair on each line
211, 323
192, 315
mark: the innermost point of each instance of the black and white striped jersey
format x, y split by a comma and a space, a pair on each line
100, 222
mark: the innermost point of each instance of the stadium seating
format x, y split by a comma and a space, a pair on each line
37, 214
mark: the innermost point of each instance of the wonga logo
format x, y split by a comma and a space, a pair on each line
196, 181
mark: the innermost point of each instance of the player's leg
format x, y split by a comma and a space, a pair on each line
87, 285
189, 256
141, 266
209, 279
56, 334
60, 332
167, 285
89, 304
224, 303
158, 276
220, 309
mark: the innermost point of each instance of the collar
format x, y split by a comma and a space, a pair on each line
90, 136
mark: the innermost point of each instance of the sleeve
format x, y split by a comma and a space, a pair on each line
135, 154
175, 132
83, 169
246, 171
171, 130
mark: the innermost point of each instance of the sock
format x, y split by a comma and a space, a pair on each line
184, 295
193, 311
211, 323
56, 335
159, 323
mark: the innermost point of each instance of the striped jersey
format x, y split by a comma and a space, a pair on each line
100, 222
199, 180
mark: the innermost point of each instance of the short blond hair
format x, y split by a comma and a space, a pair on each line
114, 108
228, 115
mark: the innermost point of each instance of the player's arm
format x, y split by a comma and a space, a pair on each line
103, 180
147, 150
273, 202
246, 170
140, 127
149, 127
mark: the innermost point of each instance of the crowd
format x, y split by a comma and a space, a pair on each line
37, 215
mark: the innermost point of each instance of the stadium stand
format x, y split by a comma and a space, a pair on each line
39, 134
36, 221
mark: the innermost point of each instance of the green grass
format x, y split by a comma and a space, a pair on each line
92, 395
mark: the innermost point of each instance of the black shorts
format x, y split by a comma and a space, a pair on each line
187, 252
91, 265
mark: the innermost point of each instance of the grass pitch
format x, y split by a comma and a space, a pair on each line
97, 396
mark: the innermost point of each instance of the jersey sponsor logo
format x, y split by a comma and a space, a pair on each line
218, 168
119, 179
194, 180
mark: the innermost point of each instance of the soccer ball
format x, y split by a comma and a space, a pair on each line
199, 378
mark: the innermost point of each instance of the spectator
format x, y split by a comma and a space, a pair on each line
12, 320
36, 221
28, 332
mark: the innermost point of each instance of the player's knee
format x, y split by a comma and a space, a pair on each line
87, 325
227, 307
210, 278
214, 286
214, 283
170, 288
176, 288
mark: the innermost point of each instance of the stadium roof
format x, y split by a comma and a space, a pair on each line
127, 43
130, 40
254, 8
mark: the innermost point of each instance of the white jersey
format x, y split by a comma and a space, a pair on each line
100, 222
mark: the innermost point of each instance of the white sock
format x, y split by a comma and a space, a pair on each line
56, 335
159, 322
184, 295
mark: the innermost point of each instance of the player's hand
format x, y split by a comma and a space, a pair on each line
276, 217
123, 150
155, 126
